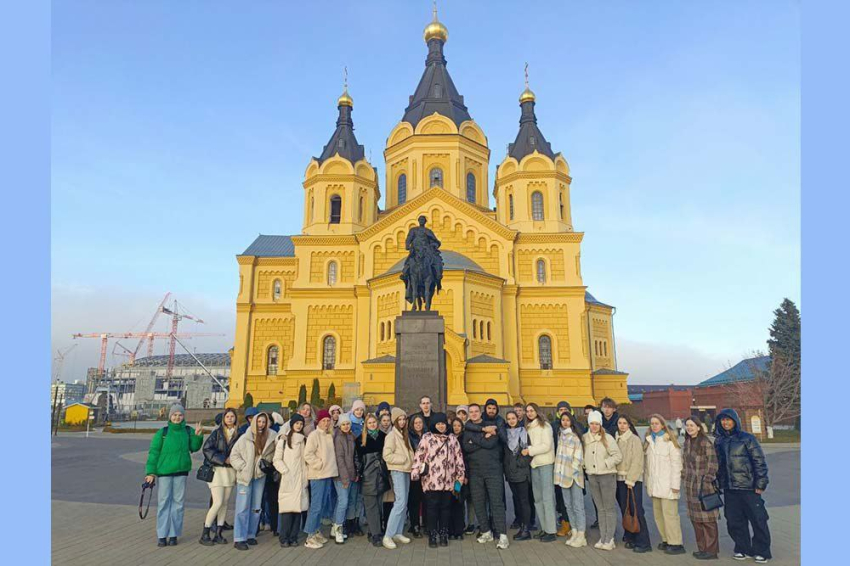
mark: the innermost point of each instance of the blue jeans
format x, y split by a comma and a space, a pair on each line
574, 502
543, 488
170, 498
249, 502
346, 501
401, 488
318, 492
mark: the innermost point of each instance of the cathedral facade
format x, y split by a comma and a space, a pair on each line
520, 323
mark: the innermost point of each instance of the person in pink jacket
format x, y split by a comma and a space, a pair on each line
438, 464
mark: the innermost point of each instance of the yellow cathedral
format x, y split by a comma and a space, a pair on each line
520, 324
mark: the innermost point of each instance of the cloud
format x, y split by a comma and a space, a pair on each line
654, 363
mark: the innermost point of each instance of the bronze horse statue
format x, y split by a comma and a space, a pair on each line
423, 269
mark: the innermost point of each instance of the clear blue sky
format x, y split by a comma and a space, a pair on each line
181, 130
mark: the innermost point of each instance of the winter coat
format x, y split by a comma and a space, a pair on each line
699, 469
517, 466
541, 447
663, 468
569, 460
484, 455
217, 448
610, 425
242, 456
577, 427
370, 466
396, 454
600, 459
630, 468
740, 458
319, 455
442, 455
344, 452
292, 496
170, 452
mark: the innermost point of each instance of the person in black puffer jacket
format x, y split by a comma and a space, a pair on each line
743, 478
518, 472
374, 479
486, 477
216, 451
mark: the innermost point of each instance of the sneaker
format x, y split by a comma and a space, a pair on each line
469, 530
642, 549
702, 555
311, 542
320, 538
607, 545
663, 546
675, 549
598, 544
760, 559
739, 556
240, 545
160, 542
172, 541
549, 537
571, 536
486, 537
252, 542
503, 543
339, 537
578, 540
388, 543
402, 539
376, 540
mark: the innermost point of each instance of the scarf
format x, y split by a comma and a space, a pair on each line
517, 437
373, 433
656, 435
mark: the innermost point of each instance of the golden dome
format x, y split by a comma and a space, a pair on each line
436, 30
345, 99
526, 96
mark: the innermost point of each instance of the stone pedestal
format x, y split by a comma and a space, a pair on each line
420, 367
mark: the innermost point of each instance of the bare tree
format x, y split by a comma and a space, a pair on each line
775, 388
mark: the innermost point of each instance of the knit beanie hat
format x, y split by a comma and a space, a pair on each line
358, 403
295, 418
439, 418
251, 412
565, 405
463, 408
382, 406
323, 414
176, 408
395, 413
343, 418
594, 417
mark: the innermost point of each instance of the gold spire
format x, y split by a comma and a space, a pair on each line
436, 30
345, 98
527, 95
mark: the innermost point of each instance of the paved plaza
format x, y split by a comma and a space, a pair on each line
96, 485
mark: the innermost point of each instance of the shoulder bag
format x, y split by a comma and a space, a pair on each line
709, 501
631, 523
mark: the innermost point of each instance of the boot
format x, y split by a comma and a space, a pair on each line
444, 537
432, 539
218, 538
377, 540
416, 531
227, 526
357, 531
336, 534
205, 538
523, 533
564, 530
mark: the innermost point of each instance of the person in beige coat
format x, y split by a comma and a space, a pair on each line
292, 497
398, 455
249, 456
630, 483
321, 469
663, 479
601, 456
541, 447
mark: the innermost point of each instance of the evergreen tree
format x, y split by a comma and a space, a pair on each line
315, 397
331, 392
784, 339
302, 395
293, 406
248, 401
783, 376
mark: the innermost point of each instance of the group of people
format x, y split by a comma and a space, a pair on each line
441, 474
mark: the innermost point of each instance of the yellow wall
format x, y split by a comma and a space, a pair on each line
505, 296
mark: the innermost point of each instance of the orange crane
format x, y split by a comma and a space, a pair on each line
176, 317
148, 331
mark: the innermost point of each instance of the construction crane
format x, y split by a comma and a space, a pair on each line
176, 317
59, 360
148, 331
105, 336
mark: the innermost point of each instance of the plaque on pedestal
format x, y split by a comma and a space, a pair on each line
420, 367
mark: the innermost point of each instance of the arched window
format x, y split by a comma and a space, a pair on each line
329, 352
605, 348
544, 347
336, 209
596, 347
332, 273
360, 210
312, 208
511, 206
402, 188
536, 205
488, 332
541, 271
481, 330
474, 329
276, 289
435, 177
561, 204
389, 330
470, 187
271, 361
382, 332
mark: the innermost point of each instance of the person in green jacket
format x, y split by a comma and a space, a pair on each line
169, 463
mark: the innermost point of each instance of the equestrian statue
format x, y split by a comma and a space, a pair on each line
423, 269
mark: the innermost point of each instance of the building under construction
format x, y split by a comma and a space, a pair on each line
146, 387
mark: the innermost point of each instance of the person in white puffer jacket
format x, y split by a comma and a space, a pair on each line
292, 496
663, 481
